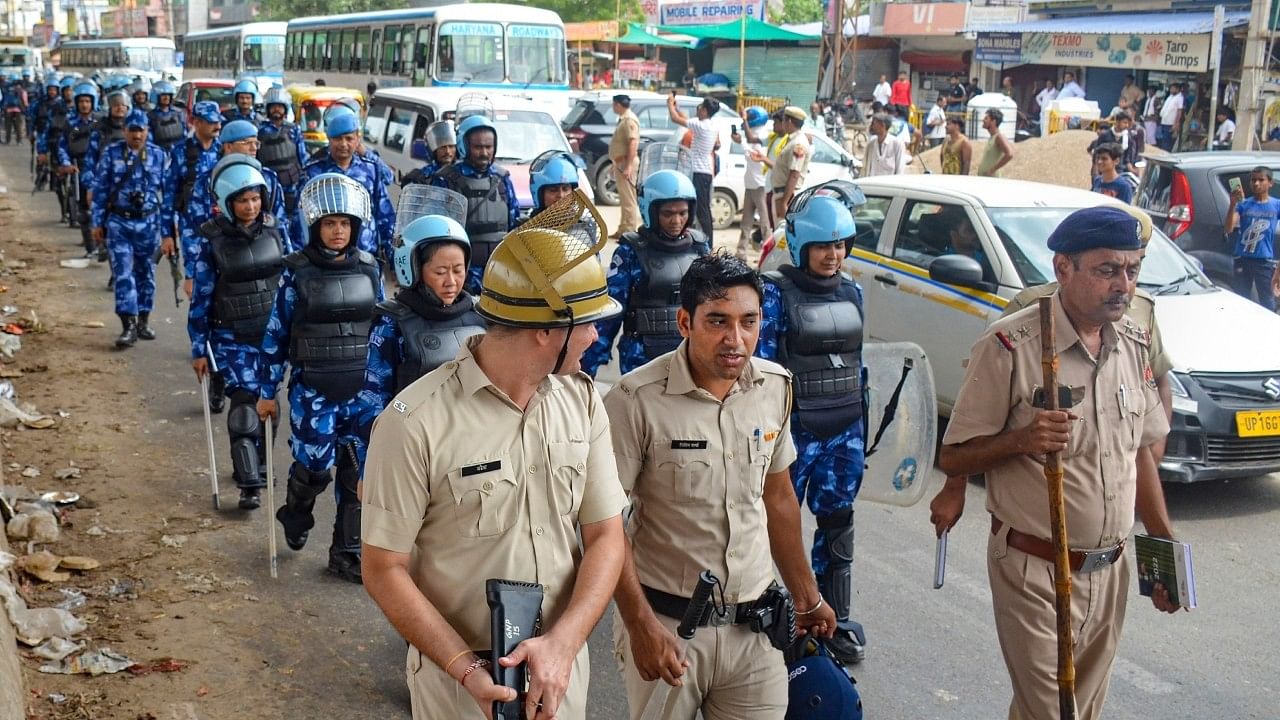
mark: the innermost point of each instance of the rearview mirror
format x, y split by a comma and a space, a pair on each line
418, 151
960, 270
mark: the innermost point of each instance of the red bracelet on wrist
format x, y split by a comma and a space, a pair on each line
475, 665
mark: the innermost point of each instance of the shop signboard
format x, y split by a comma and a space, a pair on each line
1178, 53
642, 70
591, 31
925, 18
709, 12
999, 48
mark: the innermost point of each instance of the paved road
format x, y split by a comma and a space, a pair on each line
932, 654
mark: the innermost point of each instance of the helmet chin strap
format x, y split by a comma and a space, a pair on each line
564, 349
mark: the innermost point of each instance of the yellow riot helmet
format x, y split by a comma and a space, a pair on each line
544, 274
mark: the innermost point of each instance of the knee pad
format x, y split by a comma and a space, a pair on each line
305, 485
242, 418
837, 530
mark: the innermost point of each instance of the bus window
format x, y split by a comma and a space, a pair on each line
361, 55
264, 52
422, 55
406, 51
308, 50
375, 50
342, 50
323, 51
471, 51
390, 43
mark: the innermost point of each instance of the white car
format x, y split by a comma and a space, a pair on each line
1225, 349
400, 116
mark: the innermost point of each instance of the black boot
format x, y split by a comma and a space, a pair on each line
250, 498
344, 552
848, 645
217, 393
129, 335
300, 499
144, 327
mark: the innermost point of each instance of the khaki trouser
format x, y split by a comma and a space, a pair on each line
752, 203
1022, 598
734, 674
630, 221
433, 695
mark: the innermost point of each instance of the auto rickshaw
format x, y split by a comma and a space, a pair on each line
309, 104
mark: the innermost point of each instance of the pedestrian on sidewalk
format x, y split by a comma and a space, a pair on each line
957, 153
753, 180
237, 269
1251, 222
624, 153
132, 209
885, 154
999, 151
936, 122
1171, 112
883, 91
706, 139
1107, 179
901, 96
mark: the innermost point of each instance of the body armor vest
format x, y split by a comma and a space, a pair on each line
111, 132
166, 128
277, 151
78, 139
248, 271
330, 332
433, 335
58, 121
191, 151
487, 209
651, 312
823, 350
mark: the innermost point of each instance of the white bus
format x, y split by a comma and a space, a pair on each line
254, 51
152, 57
476, 46
16, 55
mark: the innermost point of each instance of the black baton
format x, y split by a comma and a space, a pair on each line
514, 609
688, 626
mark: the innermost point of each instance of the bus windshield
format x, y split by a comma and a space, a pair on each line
470, 52
15, 57
264, 52
156, 59
536, 54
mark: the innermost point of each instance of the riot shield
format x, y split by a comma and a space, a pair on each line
419, 200
902, 423
669, 155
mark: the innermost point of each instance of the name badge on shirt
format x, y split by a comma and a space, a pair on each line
688, 444
484, 467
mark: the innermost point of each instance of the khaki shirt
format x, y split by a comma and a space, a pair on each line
480, 490
1142, 312
793, 154
1120, 413
695, 466
628, 129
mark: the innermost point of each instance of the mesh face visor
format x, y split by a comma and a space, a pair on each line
333, 194
473, 104
664, 156
419, 200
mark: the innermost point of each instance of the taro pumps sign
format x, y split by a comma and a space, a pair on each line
1183, 53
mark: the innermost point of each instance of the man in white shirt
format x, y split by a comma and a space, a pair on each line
1226, 130
701, 153
1043, 99
936, 122
886, 155
753, 119
1170, 118
1070, 88
883, 90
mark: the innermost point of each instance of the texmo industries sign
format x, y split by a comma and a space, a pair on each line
1187, 53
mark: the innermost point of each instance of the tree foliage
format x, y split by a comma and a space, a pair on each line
799, 11
584, 10
289, 9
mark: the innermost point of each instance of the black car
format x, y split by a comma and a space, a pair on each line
591, 122
1187, 195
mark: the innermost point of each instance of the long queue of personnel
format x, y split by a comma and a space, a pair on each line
468, 441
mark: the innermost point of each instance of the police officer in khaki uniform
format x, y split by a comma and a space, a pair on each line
703, 442
487, 467
948, 504
623, 148
1104, 439
789, 165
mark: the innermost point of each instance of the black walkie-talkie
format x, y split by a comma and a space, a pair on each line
515, 609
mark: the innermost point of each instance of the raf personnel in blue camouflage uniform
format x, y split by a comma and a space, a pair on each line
343, 129
168, 127
319, 326
492, 207
238, 269
442, 144
75, 156
245, 96
645, 273
239, 137
427, 322
282, 150
812, 324
131, 210
193, 158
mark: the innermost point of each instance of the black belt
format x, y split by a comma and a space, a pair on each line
132, 214
673, 606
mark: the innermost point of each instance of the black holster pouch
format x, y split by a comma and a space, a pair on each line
774, 615
515, 615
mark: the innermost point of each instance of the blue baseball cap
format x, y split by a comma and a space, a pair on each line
136, 119
237, 130
340, 121
208, 111
1096, 227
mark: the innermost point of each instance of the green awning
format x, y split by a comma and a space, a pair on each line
757, 31
636, 35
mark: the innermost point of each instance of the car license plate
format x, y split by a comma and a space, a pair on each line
1258, 423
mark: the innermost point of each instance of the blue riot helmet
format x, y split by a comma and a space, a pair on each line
333, 194
53, 80
819, 220
164, 87
818, 688
230, 179
85, 89
756, 116
277, 96
470, 125
421, 234
550, 168
660, 187
245, 87
340, 121
237, 130
67, 81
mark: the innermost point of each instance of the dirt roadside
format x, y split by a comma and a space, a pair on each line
175, 591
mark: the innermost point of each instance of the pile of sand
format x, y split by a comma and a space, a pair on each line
1061, 159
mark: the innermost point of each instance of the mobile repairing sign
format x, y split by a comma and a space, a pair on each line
709, 12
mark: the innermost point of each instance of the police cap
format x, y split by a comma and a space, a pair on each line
136, 120
1091, 228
